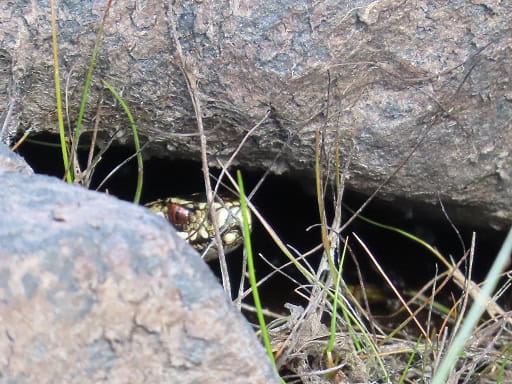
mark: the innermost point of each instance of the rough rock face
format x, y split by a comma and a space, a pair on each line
383, 78
93, 289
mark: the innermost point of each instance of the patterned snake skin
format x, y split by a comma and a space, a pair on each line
191, 219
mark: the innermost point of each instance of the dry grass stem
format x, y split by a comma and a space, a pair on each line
191, 81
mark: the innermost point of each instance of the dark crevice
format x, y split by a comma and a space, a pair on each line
291, 208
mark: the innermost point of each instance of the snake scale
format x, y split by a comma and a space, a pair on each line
190, 217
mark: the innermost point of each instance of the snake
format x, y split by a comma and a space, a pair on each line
190, 217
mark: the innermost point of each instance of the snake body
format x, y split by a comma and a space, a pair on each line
191, 219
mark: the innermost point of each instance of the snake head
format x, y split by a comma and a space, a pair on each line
191, 219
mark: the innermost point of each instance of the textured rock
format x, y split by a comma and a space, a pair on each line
93, 289
382, 76
11, 162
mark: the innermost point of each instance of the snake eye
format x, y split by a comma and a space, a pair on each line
178, 215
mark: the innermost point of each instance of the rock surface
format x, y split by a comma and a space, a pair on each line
385, 78
93, 289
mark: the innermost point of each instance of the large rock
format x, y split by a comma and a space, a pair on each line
382, 76
95, 289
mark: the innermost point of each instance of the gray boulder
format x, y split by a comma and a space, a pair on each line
93, 289
421, 84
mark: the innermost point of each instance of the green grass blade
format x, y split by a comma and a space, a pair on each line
321, 208
140, 164
311, 278
87, 86
58, 97
332, 337
252, 271
475, 312
505, 360
406, 235
409, 362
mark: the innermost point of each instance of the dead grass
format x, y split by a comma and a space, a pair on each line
365, 349
360, 347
